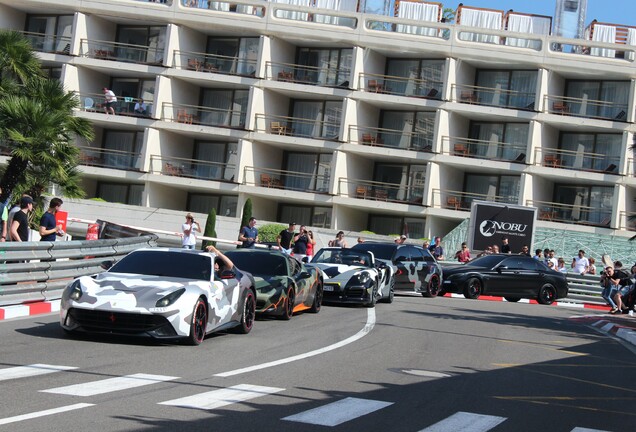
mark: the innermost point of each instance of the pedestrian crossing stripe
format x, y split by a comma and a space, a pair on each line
110, 385
31, 370
465, 422
338, 412
44, 413
223, 397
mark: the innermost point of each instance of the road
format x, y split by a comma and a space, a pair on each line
415, 365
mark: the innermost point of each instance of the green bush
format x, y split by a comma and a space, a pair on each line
367, 232
210, 229
269, 232
247, 213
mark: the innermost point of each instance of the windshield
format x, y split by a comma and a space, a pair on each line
260, 264
488, 261
343, 256
379, 250
165, 263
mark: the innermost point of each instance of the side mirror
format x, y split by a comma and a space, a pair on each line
305, 260
107, 264
500, 268
304, 275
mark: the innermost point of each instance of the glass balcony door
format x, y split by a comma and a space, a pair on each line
56, 32
594, 152
612, 95
314, 171
501, 141
484, 187
227, 107
507, 88
125, 146
223, 158
333, 65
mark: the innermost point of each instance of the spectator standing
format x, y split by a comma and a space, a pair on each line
310, 244
592, 268
463, 255
561, 265
426, 245
339, 241
300, 243
436, 249
400, 240
20, 222
538, 255
4, 216
505, 247
580, 263
49, 228
360, 240
249, 234
525, 251
285, 237
495, 249
109, 101
189, 228
552, 259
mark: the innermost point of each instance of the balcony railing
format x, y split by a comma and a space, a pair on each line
493, 97
577, 160
481, 149
582, 107
627, 221
401, 86
457, 200
391, 138
572, 214
192, 168
298, 127
325, 76
116, 51
288, 180
380, 191
221, 6
201, 115
108, 158
214, 63
48, 43
95, 102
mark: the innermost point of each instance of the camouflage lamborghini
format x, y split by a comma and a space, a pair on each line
284, 285
161, 293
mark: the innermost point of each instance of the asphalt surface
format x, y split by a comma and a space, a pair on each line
410, 366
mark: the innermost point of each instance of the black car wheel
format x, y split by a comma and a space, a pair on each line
288, 308
315, 306
249, 313
547, 294
433, 287
512, 299
473, 288
374, 295
198, 324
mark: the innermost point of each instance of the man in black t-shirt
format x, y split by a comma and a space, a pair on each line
285, 238
20, 222
300, 243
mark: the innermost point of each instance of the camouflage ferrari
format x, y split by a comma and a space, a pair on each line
354, 276
284, 285
161, 293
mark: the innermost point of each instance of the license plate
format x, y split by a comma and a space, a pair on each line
327, 288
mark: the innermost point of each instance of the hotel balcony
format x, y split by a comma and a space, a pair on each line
627, 220
381, 191
204, 116
298, 127
401, 86
122, 52
287, 180
192, 168
49, 43
221, 6
456, 200
109, 158
324, 76
481, 149
391, 138
572, 213
577, 160
94, 102
496, 97
583, 107
214, 63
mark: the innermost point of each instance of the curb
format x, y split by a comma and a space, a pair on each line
529, 301
628, 334
29, 309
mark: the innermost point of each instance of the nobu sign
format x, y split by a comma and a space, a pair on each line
491, 222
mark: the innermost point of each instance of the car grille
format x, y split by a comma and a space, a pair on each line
120, 322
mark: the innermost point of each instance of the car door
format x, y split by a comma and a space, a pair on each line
410, 264
511, 278
219, 298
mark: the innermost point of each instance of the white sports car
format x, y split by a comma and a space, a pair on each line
353, 276
161, 293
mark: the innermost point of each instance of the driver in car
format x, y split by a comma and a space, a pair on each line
221, 262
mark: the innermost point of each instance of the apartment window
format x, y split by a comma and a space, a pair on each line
52, 72
234, 55
407, 130
222, 157
603, 99
316, 119
120, 193
507, 88
589, 204
595, 152
334, 65
402, 182
396, 225
425, 77
153, 38
225, 205
224, 107
319, 217
121, 148
499, 188
50, 33
307, 171
502, 141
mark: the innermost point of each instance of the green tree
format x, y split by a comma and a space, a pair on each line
210, 229
247, 213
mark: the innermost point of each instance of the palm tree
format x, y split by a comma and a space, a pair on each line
37, 125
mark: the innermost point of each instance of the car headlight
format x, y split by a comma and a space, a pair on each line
75, 290
363, 278
170, 298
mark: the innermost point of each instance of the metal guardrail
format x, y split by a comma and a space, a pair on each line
29, 273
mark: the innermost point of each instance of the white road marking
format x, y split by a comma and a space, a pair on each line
31, 370
424, 373
580, 429
219, 398
465, 422
110, 385
338, 412
362, 333
37, 414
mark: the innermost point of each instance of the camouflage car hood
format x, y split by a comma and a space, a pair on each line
269, 283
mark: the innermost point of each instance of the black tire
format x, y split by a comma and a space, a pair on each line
317, 304
374, 295
547, 294
433, 287
473, 288
288, 307
512, 299
249, 313
198, 323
